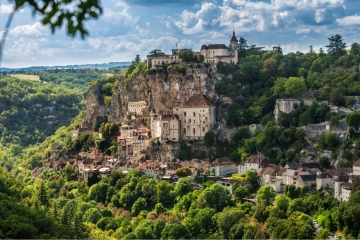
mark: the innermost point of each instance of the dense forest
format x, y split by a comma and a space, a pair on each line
32, 110
132, 206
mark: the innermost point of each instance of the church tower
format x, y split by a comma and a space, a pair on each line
233, 46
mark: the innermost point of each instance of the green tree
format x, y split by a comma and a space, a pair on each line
159, 209
353, 119
200, 58
324, 161
215, 196
183, 172
242, 47
164, 193
175, 231
282, 202
241, 193
227, 219
183, 187
98, 192
186, 55
139, 205
355, 49
295, 86
92, 215
336, 46
265, 195
209, 138
305, 119
43, 195
156, 52
73, 12
297, 204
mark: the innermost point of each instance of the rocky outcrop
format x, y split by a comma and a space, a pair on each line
162, 91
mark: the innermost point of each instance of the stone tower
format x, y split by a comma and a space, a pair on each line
234, 48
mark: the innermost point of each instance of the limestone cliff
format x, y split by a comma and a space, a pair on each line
160, 90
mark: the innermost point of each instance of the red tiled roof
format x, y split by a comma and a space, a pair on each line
357, 163
198, 101
222, 162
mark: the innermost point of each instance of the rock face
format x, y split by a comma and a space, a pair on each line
162, 91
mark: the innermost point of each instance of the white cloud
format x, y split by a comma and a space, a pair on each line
28, 30
124, 17
6, 8
349, 21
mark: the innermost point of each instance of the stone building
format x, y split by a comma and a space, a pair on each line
197, 116
189, 121
222, 167
285, 106
215, 53
255, 162
136, 107
160, 60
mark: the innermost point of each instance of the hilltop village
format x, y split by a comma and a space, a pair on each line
151, 145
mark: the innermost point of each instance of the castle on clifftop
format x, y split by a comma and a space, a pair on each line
213, 53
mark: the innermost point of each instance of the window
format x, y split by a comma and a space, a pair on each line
189, 120
184, 120
184, 131
203, 129
185, 114
194, 121
194, 131
194, 114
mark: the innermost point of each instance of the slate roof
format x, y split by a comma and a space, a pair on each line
308, 178
198, 101
213, 46
233, 37
347, 185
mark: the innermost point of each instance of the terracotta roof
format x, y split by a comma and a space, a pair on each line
255, 158
198, 101
324, 175
357, 163
347, 185
222, 162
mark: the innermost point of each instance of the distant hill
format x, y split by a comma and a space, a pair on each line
81, 66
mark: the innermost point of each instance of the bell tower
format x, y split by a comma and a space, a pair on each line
233, 42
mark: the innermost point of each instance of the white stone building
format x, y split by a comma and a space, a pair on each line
222, 167
356, 168
215, 53
285, 106
136, 107
324, 180
197, 116
254, 162
189, 121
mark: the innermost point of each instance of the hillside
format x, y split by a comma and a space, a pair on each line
130, 203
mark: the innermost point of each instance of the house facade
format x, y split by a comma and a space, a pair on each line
222, 167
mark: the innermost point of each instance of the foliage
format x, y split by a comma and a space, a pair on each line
265, 195
75, 13
30, 111
186, 55
209, 138
183, 172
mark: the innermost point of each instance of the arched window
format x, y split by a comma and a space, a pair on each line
184, 131
194, 130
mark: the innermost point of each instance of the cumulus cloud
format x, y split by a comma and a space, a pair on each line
35, 29
124, 17
161, 2
248, 16
6, 8
349, 21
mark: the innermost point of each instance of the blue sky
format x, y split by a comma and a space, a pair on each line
130, 27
